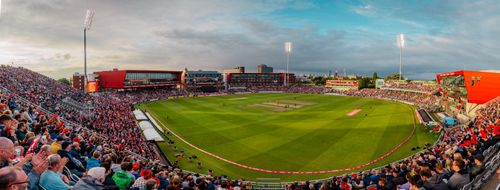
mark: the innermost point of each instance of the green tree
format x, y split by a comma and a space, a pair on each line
374, 78
363, 83
393, 76
64, 81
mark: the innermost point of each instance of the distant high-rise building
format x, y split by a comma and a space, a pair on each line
78, 81
263, 68
239, 69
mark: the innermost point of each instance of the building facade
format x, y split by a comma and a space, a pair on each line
202, 81
463, 91
133, 79
342, 84
263, 68
248, 80
239, 69
78, 81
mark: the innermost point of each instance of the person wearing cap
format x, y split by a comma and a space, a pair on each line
141, 181
56, 145
93, 180
3, 107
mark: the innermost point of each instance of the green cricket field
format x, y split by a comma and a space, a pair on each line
245, 135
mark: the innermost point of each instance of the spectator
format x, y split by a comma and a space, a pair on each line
478, 167
121, 178
6, 152
13, 178
94, 161
74, 165
432, 182
8, 127
52, 179
109, 183
150, 184
141, 181
57, 145
93, 180
460, 177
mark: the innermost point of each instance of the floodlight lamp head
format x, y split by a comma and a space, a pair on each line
401, 40
88, 19
288, 47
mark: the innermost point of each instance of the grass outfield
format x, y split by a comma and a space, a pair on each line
290, 132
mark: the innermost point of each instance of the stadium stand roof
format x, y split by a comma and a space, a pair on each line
151, 134
139, 115
154, 123
145, 125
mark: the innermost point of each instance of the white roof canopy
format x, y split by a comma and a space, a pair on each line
139, 115
152, 134
154, 122
145, 125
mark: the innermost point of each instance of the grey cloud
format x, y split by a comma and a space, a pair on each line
67, 56
219, 34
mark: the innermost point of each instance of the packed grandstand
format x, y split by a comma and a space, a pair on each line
48, 129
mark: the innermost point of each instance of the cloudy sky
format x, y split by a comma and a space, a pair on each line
360, 36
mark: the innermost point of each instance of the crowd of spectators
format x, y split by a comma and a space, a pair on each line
417, 86
107, 151
426, 101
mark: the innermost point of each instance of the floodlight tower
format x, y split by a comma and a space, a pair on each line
86, 26
288, 51
401, 44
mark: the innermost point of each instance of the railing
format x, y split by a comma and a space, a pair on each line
77, 105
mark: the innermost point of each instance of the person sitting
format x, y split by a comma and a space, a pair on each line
6, 152
121, 178
74, 165
53, 179
94, 161
140, 183
56, 145
93, 180
12, 177
432, 182
108, 181
460, 177
150, 184
8, 127
478, 168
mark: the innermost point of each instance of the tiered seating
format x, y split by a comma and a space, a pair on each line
107, 146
